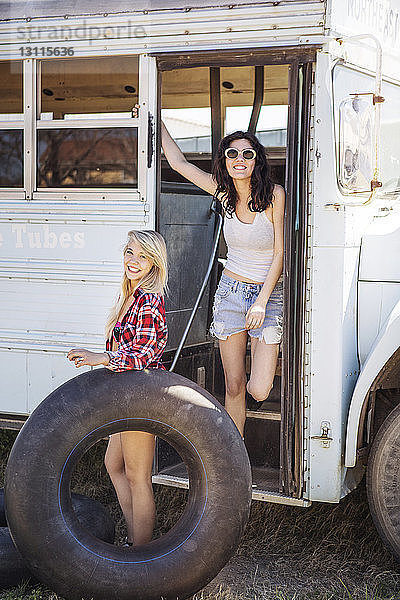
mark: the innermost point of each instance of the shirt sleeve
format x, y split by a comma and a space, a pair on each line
139, 341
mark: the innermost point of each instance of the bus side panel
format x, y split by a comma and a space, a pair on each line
60, 271
14, 381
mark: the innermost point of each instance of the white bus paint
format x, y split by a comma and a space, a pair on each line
50, 235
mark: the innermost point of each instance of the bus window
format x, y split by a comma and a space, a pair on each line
95, 141
11, 124
389, 143
185, 109
11, 158
89, 88
105, 157
349, 81
11, 90
187, 114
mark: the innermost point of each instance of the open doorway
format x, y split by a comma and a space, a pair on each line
248, 97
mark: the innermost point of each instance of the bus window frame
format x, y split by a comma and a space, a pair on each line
31, 125
354, 198
14, 193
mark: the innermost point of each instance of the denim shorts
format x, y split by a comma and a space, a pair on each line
232, 301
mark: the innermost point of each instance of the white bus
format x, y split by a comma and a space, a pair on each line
319, 82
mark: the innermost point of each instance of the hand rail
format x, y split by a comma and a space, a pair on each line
201, 292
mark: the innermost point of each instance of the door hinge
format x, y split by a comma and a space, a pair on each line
318, 155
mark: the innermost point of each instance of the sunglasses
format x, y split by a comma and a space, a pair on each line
247, 153
117, 331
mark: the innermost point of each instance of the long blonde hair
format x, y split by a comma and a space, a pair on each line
154, 249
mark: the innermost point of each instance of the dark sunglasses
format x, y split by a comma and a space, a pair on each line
247, 153
117, 331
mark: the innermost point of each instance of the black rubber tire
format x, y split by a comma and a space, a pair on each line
383, 481
3, 522
13, 569
90, 513
70, 560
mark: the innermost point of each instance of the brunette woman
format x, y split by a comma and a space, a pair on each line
249, 297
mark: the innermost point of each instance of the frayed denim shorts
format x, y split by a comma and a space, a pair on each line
232, 301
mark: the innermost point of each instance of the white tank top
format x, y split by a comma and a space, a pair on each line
250, 246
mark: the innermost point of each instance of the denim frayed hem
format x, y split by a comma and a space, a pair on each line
217, 330
271, 334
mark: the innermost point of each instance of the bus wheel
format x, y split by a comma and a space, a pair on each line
90, 513
69, 558
383, 481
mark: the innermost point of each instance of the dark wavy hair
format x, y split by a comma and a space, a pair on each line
261, 185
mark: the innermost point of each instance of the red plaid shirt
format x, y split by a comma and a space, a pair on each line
141, 335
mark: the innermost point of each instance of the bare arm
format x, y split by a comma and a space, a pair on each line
178, 162
82, 357
256, 314
276, 267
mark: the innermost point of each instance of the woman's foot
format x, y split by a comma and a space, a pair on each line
251, 403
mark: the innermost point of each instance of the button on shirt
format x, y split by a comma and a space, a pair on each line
141, 335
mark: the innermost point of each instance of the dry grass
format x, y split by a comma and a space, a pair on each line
325, 552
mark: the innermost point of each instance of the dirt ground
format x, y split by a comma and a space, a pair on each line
324, 552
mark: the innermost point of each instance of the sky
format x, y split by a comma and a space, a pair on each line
271, 117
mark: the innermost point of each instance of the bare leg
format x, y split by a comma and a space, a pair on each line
114, 462
233, 354
263, 366
138, 453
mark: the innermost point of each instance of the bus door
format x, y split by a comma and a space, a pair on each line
202, 98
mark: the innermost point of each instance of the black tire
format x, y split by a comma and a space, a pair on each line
73, 562
91, 515
13, 569
383, 481
3, 522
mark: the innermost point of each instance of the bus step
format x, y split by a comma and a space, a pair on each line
268, 410
265, 483
265, 478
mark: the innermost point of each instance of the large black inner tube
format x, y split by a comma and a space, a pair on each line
73, 562
91, 514
3, 522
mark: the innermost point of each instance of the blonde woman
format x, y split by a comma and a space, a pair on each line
136, 335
